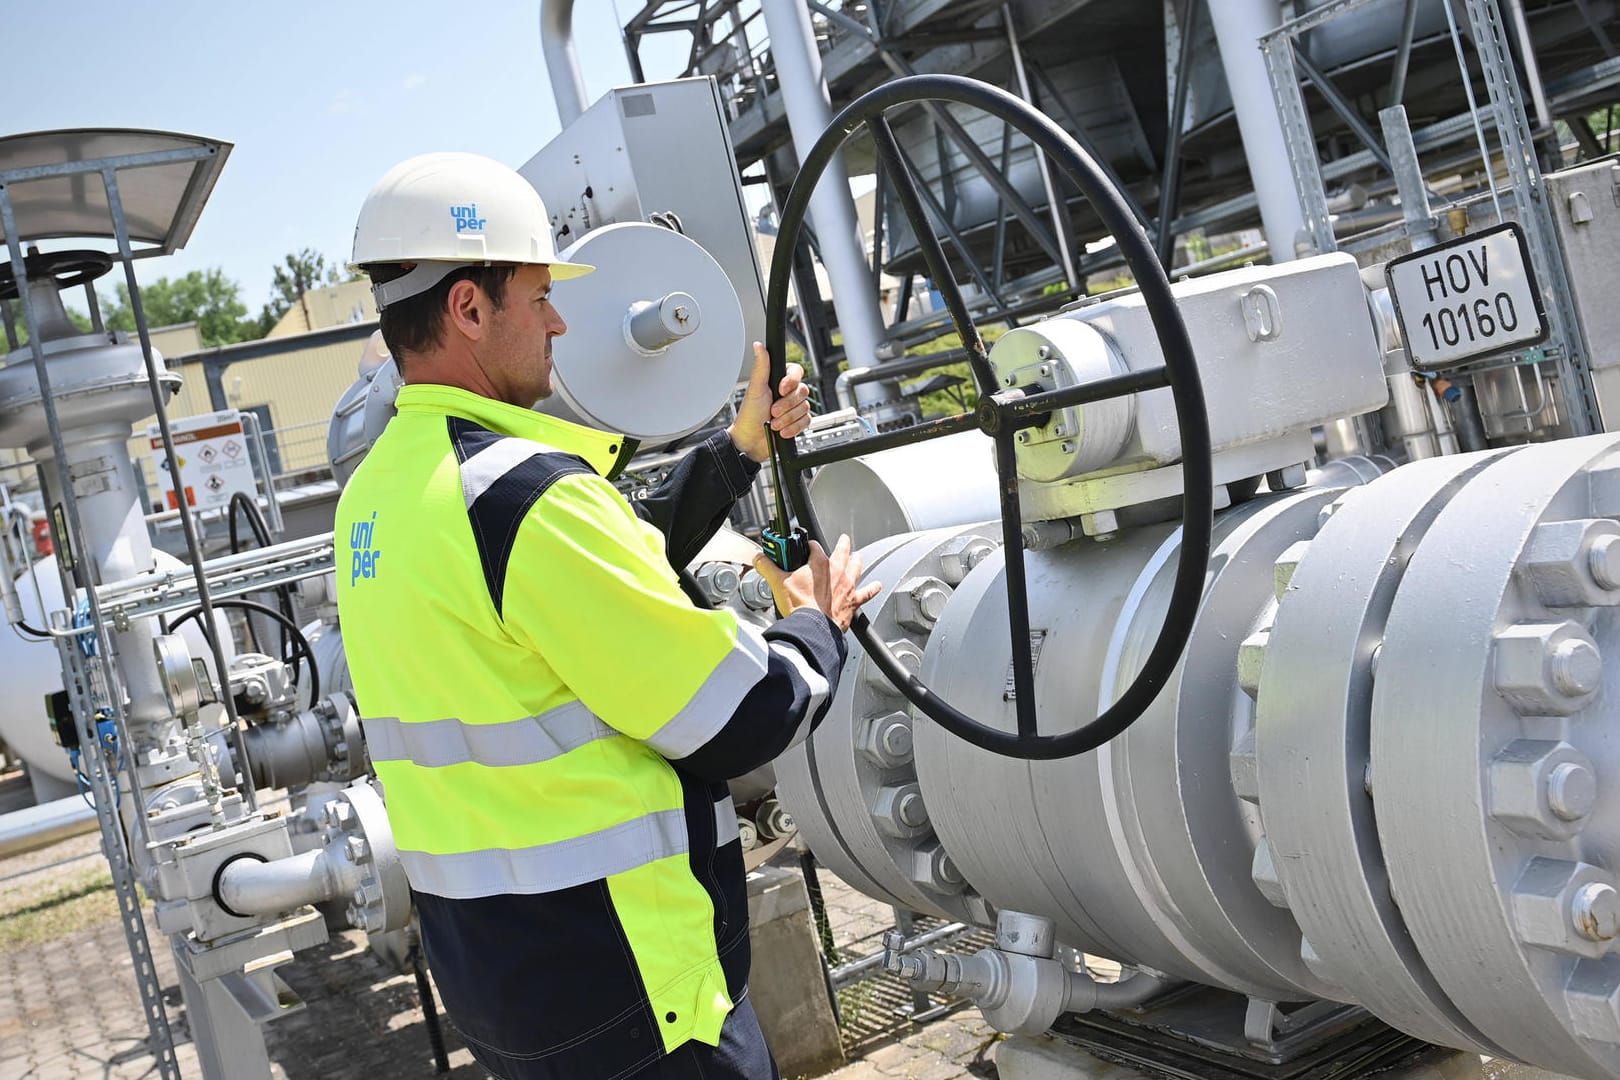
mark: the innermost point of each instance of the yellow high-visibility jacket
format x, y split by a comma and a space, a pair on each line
552, 721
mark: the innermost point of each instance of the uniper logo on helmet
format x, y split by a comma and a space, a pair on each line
439, 211
467, 219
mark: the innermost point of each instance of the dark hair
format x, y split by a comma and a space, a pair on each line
416, 324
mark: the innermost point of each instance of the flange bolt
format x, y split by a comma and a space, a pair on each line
1596, 911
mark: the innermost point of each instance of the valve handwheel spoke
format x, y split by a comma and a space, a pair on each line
1001, 414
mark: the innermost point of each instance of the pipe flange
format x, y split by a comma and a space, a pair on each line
1313, 713
1477, 669
357, 822
853, 786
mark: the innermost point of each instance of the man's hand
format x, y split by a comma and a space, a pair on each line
788, 415
829, 583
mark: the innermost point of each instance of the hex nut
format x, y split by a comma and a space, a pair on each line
1554, 907
1264, 872
936, 871
886, 740
718, 581
1287, 478
1101, 523
910, 658
898, 811
1251, 660
1575, 563
1282, 573
1547, 669
1593, 997
919, 602
1244, 766
961, 554
1541, 788
755, 592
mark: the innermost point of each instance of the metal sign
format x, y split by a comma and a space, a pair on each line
1470, 297
214, 460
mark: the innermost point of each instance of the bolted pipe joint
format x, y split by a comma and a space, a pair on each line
650, 327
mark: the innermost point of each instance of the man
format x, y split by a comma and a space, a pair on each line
552, 720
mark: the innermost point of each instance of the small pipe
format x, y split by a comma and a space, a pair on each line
1470, 429
846, 974
1086, 993
269, 888
849, 377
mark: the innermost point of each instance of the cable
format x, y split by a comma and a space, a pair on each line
81, 619
430, 1011
299, 640
261, 533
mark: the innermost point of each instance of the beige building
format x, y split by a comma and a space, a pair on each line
329, 305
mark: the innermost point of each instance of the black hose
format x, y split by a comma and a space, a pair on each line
261, 534
301, 645
1198, 502
430, 1012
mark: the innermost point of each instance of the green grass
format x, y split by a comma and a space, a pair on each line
72, 905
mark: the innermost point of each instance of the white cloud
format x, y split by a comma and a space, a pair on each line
414, 81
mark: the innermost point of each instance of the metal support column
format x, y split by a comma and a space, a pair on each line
1055, 203
832, 209
1541, 236
1170, 189
1239, 26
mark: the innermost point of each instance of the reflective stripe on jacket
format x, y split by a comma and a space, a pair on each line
552, 721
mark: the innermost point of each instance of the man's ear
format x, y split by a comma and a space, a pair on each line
468, 316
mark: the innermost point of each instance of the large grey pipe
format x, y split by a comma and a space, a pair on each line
832, 208
1239, 25
45, 824
562, 60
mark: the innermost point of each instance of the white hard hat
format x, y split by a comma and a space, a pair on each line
446, 211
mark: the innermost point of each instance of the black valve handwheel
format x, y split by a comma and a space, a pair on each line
1001, 414
68, 269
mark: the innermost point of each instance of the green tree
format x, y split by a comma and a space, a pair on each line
206, 297
299, 272
20, 326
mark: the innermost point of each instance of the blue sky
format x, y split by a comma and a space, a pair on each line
318, 98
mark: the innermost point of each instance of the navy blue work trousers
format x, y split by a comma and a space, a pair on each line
741, 1055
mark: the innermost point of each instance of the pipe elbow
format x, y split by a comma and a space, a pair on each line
250, 887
